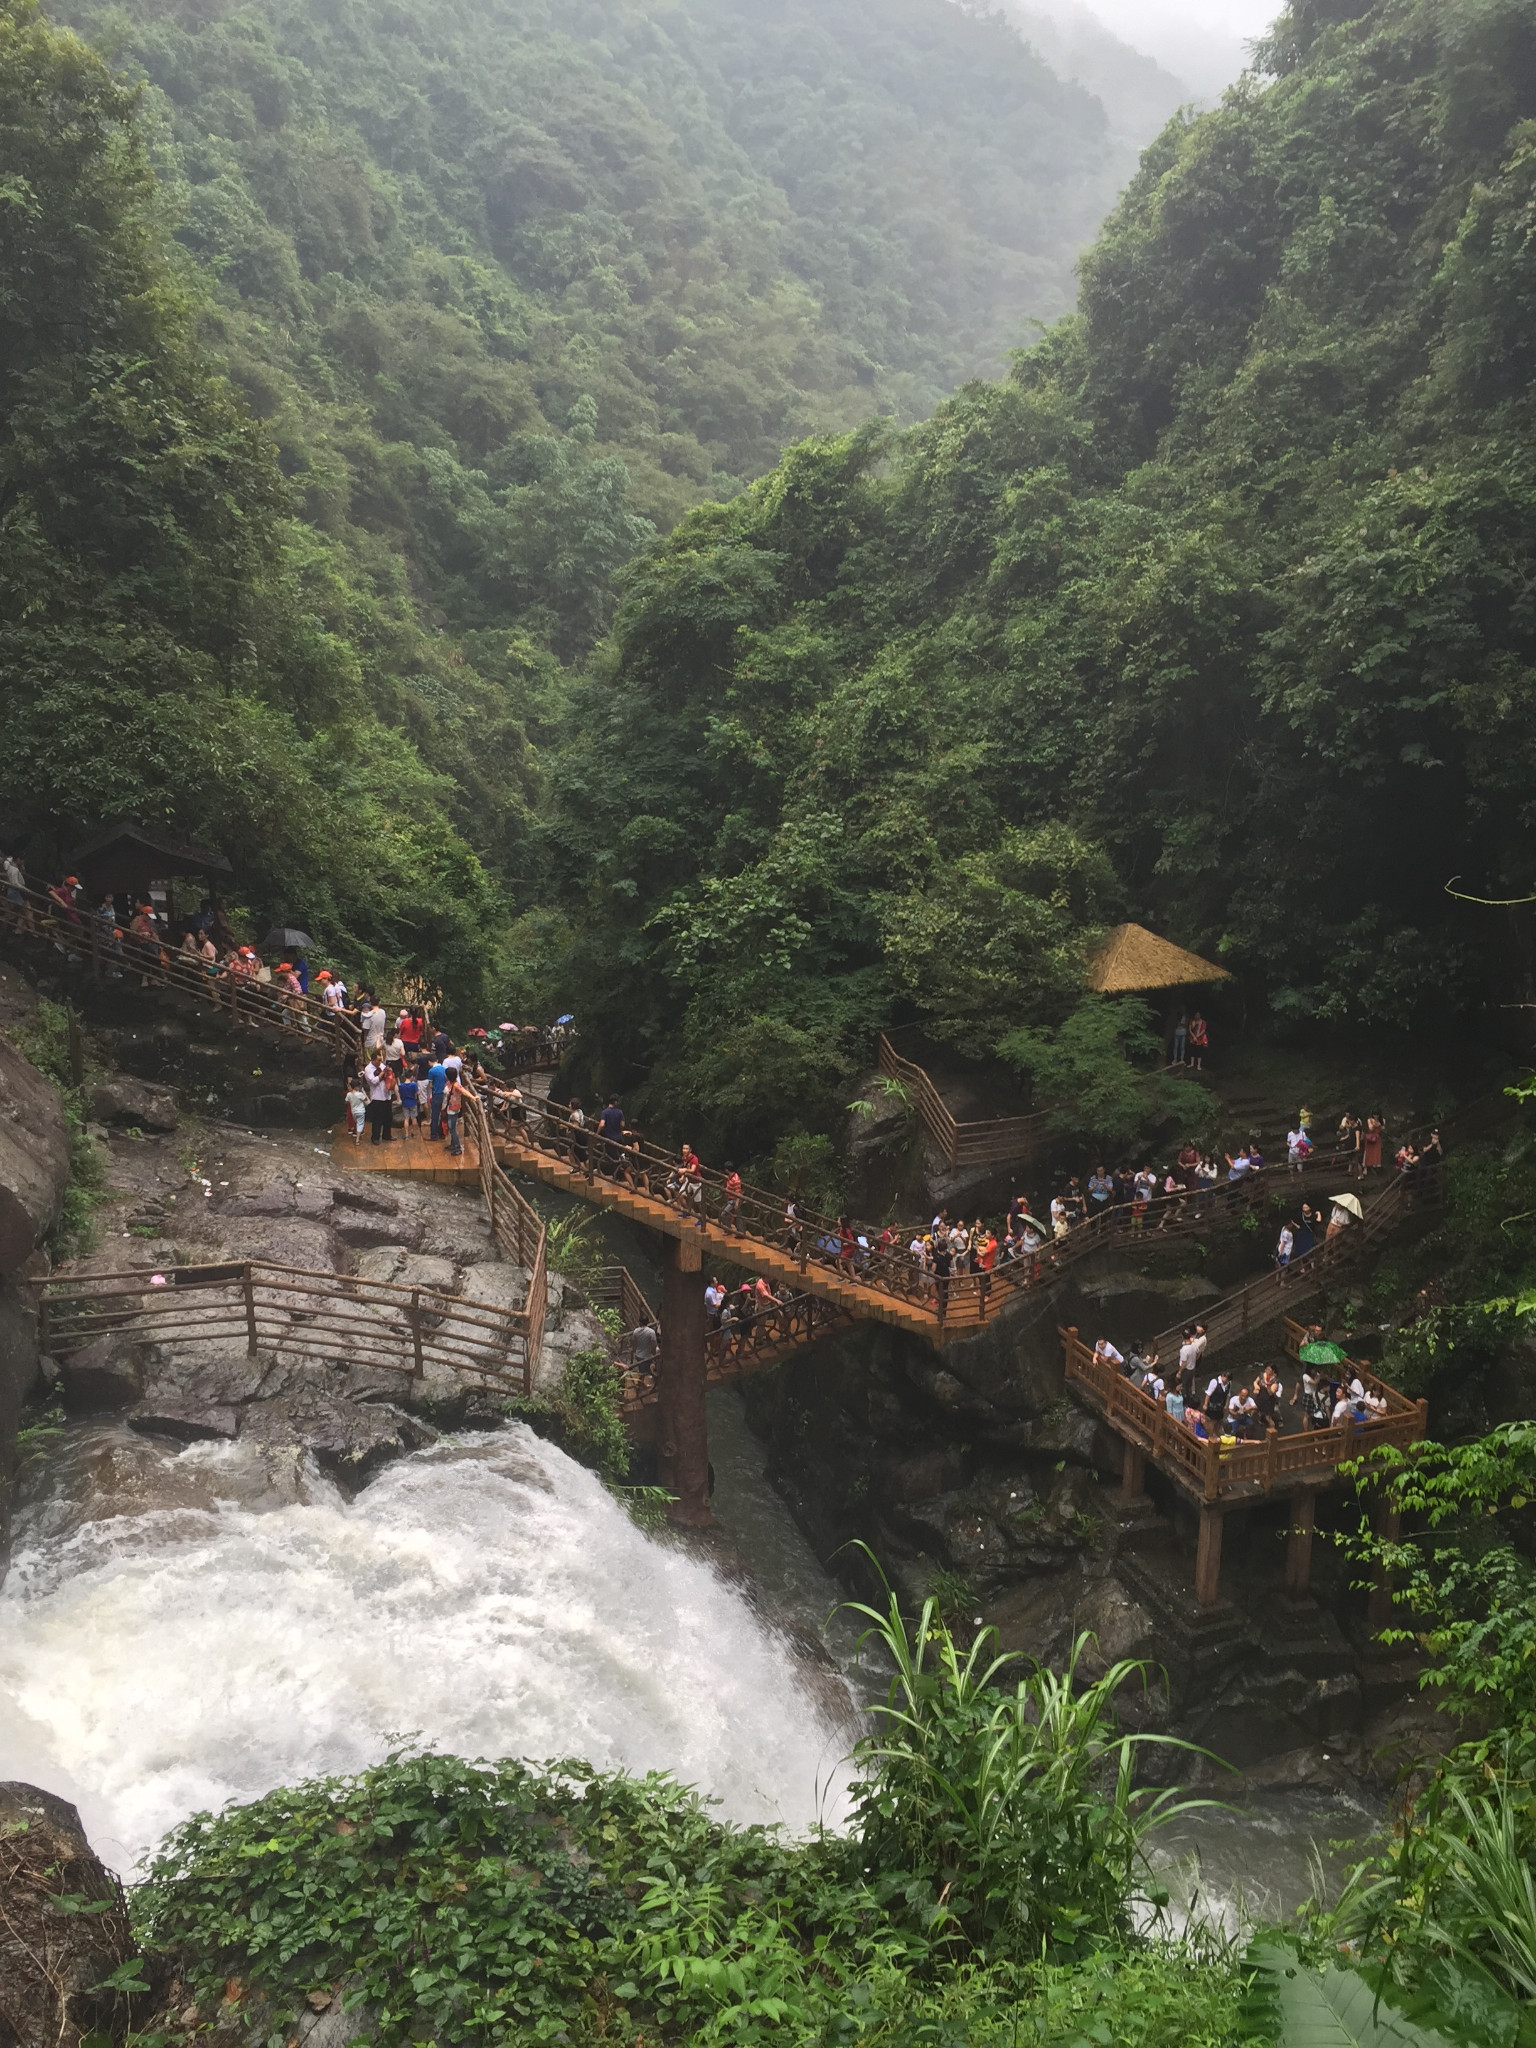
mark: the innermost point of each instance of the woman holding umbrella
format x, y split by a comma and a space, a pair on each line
1346, 1212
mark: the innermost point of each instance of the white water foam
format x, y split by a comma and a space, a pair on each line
487, 1595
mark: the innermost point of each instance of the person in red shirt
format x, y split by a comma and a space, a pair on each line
689, 1184
847, 1244
730, 1215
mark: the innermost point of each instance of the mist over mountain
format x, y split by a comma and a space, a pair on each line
1137, 93
1205, 42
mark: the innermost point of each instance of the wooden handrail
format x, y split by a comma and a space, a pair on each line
996, 1141
1249, 1307
257, 1005
338, 1315
1221, 1467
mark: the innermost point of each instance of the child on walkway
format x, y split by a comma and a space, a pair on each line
410, 1106
357, 1111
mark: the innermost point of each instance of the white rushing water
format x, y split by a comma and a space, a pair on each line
181, 1631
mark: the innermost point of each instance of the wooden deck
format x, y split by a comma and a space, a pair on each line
1227, 1472
406, 1158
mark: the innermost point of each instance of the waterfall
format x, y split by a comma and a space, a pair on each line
199, 1626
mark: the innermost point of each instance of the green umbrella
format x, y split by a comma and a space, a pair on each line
1321, 1352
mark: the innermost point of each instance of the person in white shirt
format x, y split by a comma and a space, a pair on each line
1106, 1354
373, 1024
380, 1109
394, 1053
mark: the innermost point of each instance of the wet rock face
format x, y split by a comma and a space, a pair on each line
261, 1202
52, 1962
123, 1100
34, 1158
34, 1172
967, 1460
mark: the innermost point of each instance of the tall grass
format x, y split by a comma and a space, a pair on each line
1001, 1806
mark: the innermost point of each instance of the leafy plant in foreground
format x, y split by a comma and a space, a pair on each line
1006, 1822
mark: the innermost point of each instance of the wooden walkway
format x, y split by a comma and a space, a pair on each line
407, 1158
1234, 1472
868, 1303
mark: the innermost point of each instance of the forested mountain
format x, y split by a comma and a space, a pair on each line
500, 289
475, 255
1218, 610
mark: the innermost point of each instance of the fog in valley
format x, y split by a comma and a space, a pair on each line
1201, 45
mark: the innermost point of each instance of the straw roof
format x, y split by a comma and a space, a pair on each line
1134, 958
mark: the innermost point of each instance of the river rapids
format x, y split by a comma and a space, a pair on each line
184, 1627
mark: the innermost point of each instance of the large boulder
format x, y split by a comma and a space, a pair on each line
54, 1960
124, 1100
34, 1158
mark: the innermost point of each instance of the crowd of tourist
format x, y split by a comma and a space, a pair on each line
1215, 1407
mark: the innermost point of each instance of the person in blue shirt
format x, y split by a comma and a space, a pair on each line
1100, 1188
437, 1075
410, 1105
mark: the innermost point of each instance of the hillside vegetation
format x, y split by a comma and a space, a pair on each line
1215, 611
461, 304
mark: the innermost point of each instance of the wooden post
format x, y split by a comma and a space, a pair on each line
418, 1367
1298, 1548
1271, 1457
95, 947
1389, 1522
1208, 1556
250, 1310
682, 1428
1133, 1472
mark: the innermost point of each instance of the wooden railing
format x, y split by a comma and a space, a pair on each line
616, 1287
256, 1005
959, 1300
1220, 1467
739, 1345
369, 1324
997, 1141
1248, 1308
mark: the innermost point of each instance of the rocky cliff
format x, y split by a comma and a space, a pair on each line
34, 1172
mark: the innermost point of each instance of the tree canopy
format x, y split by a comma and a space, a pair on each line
1225, 585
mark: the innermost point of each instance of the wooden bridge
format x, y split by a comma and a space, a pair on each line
237, 999
1222, 1473
988, 1141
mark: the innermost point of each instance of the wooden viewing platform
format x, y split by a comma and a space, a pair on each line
1222, 1473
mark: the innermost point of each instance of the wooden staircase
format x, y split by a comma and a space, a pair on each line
775, 1261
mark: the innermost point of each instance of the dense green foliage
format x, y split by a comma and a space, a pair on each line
487, 295
480, 1902
509, 277
1217, 608
175, 646
583, 1414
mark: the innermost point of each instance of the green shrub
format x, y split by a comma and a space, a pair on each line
583, 1414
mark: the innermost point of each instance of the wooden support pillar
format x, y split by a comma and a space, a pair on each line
1133, 1472
682, 1429
1389, 1523
1208, 1555
1298, 1549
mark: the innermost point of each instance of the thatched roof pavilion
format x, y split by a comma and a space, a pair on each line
1132, 958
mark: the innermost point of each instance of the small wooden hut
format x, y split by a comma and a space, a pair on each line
1132, 960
